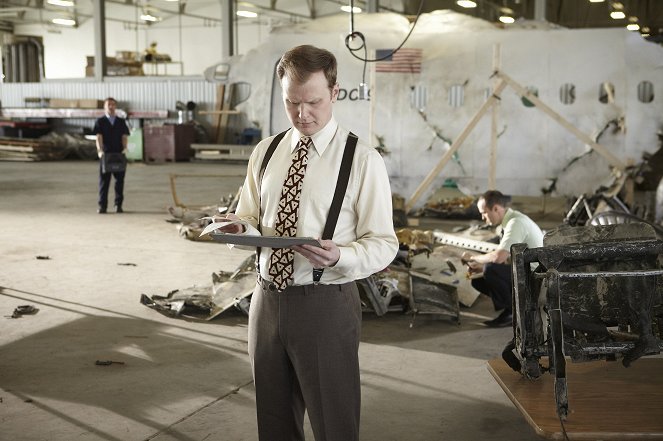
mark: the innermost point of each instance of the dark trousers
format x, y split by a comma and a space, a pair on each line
303, 346
496, 283
104, 185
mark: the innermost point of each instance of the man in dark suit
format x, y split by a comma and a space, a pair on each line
112, 132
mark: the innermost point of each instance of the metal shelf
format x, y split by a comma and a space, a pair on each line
26, 112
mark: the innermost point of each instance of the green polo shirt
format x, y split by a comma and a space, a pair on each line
518, 228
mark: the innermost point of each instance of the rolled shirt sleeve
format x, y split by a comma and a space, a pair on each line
376, 244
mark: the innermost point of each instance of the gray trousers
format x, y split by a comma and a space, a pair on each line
303, 346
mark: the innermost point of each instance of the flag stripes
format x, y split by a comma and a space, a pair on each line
405, 60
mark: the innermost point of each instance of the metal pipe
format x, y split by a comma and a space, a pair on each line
22, 59
540, 10
99, 39
589, 275
227, 26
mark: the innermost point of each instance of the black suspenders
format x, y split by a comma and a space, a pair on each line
341, 187
339, 192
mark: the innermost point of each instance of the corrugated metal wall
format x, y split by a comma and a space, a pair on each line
152, 94
137, 94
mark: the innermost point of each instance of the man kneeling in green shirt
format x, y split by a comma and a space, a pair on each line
495, 266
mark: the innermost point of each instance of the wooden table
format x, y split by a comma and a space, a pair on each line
606, 400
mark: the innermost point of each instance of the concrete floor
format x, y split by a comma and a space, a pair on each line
185, 380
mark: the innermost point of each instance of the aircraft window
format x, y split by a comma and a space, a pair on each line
241, 92
567, 93
418, 97
607, 92
456, 95
534, 91
645, 92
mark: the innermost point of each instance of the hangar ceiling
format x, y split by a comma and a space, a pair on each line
646, 14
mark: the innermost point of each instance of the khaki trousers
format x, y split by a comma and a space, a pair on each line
303, 346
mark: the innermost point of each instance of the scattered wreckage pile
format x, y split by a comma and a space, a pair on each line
426, 277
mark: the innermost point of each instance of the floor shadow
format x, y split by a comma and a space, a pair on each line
158, 372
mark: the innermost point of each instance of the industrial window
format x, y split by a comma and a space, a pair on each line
645, 92
534, 91
567, 93
607, 92
456, 95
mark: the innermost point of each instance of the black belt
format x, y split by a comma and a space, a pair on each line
269, 286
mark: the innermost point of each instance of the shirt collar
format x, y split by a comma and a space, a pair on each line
111, 118
321, 139
507, 217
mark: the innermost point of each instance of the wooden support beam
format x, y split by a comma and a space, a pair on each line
492, 167
225, 108
428, 180
492, 184
524, 93
218, 105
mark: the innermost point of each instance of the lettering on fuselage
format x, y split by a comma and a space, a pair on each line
352, 94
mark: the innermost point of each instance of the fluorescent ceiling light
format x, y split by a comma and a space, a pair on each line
466, 3
247, 14
65, 3
64, 21
148, 17
633, 27
596, 1
507, 19
346, 8
617, 15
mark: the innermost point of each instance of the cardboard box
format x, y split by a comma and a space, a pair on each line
57, 103
91, 104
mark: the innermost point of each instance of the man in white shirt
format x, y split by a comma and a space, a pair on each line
304, 336
496, 265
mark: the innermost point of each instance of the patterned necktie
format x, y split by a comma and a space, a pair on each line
281, 262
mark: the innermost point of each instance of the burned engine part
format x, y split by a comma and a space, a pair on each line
433, 298
586, 207
618, 217
385, 291
589, 293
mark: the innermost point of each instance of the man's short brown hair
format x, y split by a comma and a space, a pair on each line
494, 197
300, 62
110, 98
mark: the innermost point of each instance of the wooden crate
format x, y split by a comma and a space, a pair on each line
168, 142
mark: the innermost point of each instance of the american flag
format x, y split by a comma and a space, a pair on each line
403, 61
